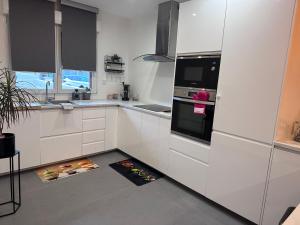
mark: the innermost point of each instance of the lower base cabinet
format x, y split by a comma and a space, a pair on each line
27, 133
60, 147
237, 174
284, 185
188, 171
129, 127
93, 148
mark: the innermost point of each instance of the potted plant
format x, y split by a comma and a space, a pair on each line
14, 104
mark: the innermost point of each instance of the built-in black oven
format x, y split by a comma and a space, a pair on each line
187, 123
195, 75
199, 71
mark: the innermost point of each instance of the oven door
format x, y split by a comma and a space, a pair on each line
199, 72
189, 124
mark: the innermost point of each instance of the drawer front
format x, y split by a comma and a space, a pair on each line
93, 148
190, 148
94, 124
59, 122
188, 171
93, 136
93, 113
60, 148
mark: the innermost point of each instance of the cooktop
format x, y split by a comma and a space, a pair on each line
155, 108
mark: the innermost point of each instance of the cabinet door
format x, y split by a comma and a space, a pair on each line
58, 122
164, 145
237, 174
27, 133
60, 147
201, 25
252, 67
150, 140
284, 185
111, 128
129, 138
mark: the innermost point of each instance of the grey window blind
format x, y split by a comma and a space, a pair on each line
32, 35
78, 39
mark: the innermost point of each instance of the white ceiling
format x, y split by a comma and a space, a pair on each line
125, 8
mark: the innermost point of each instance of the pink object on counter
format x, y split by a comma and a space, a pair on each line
202, 95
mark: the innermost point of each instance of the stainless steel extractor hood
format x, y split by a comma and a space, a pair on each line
166, 35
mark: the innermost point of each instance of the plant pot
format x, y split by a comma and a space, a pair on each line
86, 96
7, 145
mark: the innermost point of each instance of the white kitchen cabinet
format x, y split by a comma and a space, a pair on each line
93, 136
129, 128
149, 139
93, 124
284, 185
188, 171
190, 148
27, 133
93, 113
111, 128
162, 163
93, 148
237, 174
61, 147
59, 122
200, 26
255, 46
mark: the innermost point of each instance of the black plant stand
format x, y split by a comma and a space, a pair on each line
12, 173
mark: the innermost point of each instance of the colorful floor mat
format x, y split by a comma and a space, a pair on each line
136, 171
66, 169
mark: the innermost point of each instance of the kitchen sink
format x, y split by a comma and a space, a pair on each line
57, 102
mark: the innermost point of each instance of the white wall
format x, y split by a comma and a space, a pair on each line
113, 38
152, 82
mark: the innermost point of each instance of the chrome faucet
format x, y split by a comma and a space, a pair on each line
48, 83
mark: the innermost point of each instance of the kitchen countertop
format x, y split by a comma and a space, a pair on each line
287, 144
102, 103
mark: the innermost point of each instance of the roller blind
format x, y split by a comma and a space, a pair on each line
32, 35
78, 39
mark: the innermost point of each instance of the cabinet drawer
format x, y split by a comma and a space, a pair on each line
93, 113
94, 124
60, 148
190, 148
93, 148
93, 136
59, 122
188, 171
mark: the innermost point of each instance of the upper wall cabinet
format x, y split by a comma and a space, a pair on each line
255, 46
200, 27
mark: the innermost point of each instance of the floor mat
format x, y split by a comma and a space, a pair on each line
66, 169
136, 171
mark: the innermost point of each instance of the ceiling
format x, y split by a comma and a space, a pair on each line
125, 8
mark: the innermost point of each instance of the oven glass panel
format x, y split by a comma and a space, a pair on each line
187, 123
197, 72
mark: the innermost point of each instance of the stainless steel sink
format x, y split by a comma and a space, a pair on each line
57, 102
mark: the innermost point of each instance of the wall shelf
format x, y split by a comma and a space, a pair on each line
114, 64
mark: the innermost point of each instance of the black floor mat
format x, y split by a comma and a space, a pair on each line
136, 171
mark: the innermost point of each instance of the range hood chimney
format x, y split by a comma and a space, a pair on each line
166, 34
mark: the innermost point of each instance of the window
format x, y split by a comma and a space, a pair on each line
51, 47
74, 79
33, 80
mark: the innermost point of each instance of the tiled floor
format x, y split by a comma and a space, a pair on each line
103, 197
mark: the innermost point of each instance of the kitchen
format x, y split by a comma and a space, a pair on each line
215, 85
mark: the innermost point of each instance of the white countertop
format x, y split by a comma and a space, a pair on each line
104, 103
287, 143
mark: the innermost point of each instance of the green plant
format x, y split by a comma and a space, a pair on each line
14, 101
